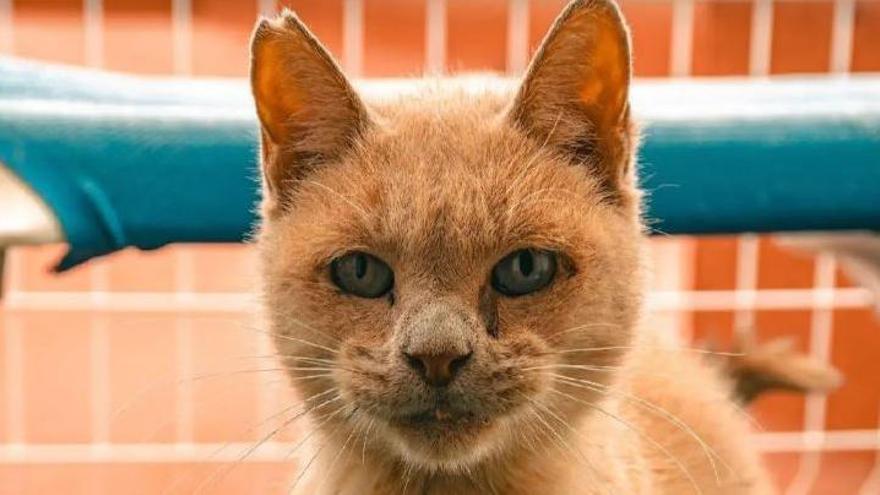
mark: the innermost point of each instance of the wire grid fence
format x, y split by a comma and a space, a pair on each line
676, 298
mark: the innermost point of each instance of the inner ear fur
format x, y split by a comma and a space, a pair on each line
308, 111
574, 96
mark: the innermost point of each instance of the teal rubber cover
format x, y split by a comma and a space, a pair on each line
133, 161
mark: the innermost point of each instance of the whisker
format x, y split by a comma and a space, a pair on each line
581, 327
575, 451
641, 434
363, 213
710, 453
293, 339
326, 419
276, 415
693, 350
335, 458
215, 476
585, 367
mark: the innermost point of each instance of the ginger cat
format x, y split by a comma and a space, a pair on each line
455, 283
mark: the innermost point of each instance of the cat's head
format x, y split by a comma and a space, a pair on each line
439, 269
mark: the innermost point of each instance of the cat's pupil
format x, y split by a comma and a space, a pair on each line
360, 266
526, 263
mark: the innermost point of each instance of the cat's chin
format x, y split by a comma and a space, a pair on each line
439, 440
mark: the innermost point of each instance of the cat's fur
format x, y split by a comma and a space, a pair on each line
565, 393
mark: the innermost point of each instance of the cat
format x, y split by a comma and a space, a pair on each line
455, 282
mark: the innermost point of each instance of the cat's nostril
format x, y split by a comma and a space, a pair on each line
415, 363
437, 369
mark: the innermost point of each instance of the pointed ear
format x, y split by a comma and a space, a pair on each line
575, 93
308, 111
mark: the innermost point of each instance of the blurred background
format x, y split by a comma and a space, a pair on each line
131, 373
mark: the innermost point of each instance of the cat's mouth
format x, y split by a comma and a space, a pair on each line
441, 419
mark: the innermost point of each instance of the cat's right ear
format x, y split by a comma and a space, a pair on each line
574, 97
309, 113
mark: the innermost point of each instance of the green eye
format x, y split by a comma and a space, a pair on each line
523, 272
362, 275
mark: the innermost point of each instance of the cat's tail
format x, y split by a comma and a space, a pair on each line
776, 365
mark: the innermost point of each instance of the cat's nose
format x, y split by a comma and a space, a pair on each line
438, 370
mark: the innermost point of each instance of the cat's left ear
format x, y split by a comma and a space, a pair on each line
309, 113
575, 94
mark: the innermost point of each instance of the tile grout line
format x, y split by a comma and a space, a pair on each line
267, 8
14, 355
184, 416
99, 358
761, 38
99, 326
871, 484
277, 451
7, 28
821, 328
435, 37
517, 36
181, 32
843, 25
184, 285
353, 37
687, 278
747, 266
93, 24
681, 49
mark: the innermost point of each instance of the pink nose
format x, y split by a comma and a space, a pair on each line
437, 369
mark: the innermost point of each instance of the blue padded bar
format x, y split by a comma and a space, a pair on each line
128, 161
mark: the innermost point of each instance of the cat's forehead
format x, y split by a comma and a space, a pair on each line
458, 179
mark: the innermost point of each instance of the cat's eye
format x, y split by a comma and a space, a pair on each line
523, 272
362, 275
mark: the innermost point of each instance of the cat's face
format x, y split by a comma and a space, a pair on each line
436, 267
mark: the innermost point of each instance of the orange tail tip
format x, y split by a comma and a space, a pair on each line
776, 365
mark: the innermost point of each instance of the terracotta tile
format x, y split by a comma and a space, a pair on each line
57, 377
134, 270
143, 479
220, 33
42, 479
780, 268
49, 30
4, 376
855, 351
476, 35
138, 36
323, 18
843, 472
36, 263
541, 17
651, 28
222, 267
722, 33
866, 37
671, 266
801, 36
650, 24
715, 263
394, 38
219, 479
143, 377
713, 328
782, 467
842, 279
